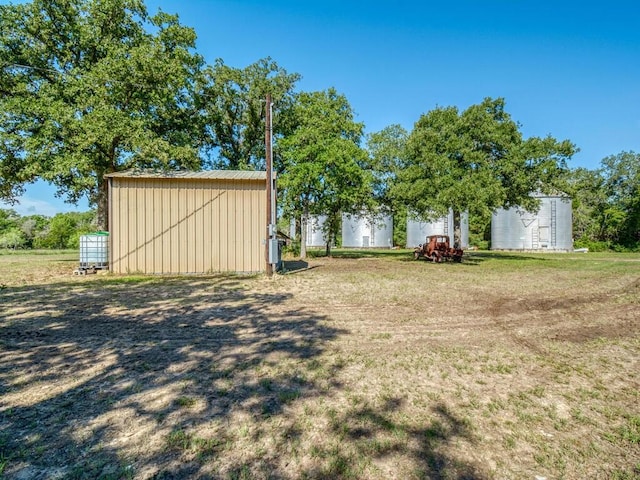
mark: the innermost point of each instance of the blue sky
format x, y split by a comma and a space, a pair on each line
569, 69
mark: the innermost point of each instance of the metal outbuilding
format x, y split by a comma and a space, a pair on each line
418, 230
548, 229
187, 222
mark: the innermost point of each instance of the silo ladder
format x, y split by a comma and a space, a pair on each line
553, 222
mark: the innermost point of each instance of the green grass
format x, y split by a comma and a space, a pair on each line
45, 252
186, 402
398, 254
506, 366
631, 431
187, 442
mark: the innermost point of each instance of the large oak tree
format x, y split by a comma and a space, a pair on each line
90, 87
323, 163
234, 102
476, 161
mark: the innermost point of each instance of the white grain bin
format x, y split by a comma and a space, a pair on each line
94, 250
315, 233
292, 229
367, 231
548, 229
418, 230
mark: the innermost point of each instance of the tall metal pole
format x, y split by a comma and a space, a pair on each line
269, 162
274, 213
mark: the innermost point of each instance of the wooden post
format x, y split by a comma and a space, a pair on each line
269, 166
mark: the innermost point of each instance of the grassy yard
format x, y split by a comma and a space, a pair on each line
367, 365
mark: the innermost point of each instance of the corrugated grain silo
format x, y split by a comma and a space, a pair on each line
418, 230
548, 229
464, 230
367, 231
315, 233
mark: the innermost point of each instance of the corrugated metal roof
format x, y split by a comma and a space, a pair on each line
185, 174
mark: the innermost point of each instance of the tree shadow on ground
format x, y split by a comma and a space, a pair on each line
471, 257
378, 433
362, 253
497, 255
91, 372
295, 266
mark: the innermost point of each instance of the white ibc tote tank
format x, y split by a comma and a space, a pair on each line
94, 250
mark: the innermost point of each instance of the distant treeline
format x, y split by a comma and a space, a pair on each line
63, 230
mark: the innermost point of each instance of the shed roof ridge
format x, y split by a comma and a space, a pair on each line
190, 174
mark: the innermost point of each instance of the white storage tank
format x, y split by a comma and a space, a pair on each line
548, 229
315, 233
418, 230
94, 250
367, 231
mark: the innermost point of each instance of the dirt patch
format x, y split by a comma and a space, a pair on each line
621, 322
341, 368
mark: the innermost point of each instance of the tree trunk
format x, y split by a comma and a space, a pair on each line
303, 234
457, 229
330, 230
102, 204
102, 197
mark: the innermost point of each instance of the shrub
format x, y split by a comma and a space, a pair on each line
592, 245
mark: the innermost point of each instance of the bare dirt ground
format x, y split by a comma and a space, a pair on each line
504, 366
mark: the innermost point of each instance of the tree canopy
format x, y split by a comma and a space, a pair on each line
37, 231
475, 161
233, 100
323, 163
387, 151
589, 204
606, 203
88, 90
622, 188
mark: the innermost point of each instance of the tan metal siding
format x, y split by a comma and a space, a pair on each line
154, 232
222, 211
149, 235
187, 225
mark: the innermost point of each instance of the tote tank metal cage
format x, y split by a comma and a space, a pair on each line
94, 250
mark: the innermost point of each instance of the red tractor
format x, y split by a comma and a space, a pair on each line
437, 249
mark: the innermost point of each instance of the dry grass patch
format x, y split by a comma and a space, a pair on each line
505, 366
